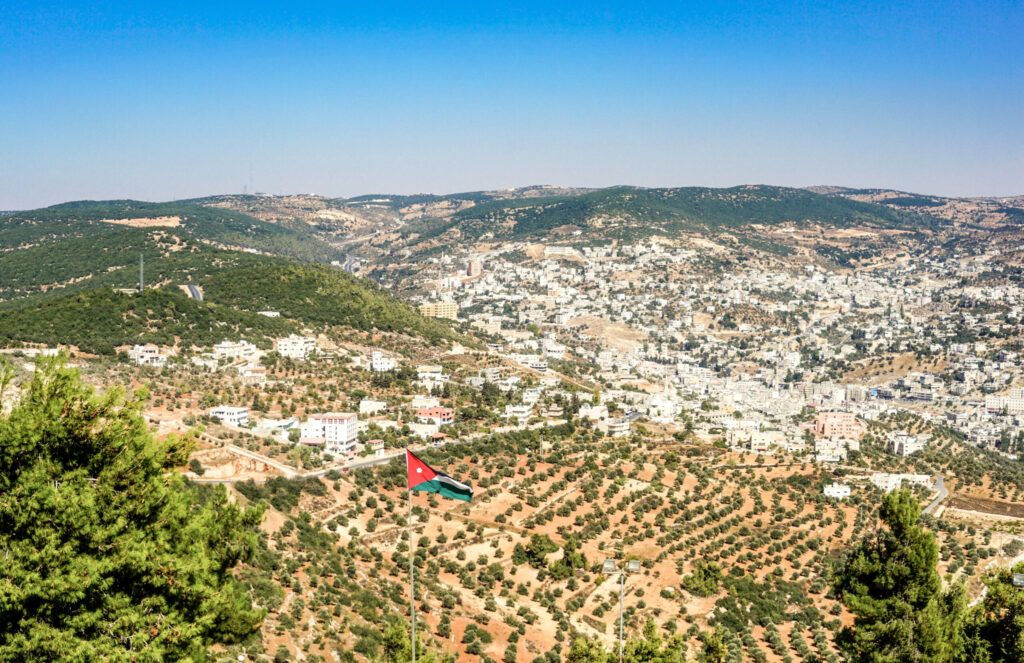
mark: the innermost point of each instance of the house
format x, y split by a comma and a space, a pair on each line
252, 375
381, 363
336, 432
376, 447
295, 347
903, 444
441, 416
420, 401
593, 412
231, 415
890, 482
235, 350
147, 355
521, 413
430, 376
837, 491
618, 427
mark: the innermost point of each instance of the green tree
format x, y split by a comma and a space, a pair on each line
652, 649
891, 584
585, 650
995, 627
713, 647
108, 553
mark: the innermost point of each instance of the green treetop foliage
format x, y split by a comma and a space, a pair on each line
891, 583
995, 627
107, 553
649, 648
704, 580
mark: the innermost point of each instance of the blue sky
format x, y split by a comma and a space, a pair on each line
118, 100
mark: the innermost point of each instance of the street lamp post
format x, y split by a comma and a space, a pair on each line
610, 567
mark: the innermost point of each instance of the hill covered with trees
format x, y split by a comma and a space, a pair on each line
236, 287
625, 211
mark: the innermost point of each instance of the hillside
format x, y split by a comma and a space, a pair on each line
235, 285
624, 211
99, 320
43, 229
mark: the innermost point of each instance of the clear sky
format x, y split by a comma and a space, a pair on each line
181, 99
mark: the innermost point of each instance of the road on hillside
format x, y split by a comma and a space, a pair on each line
940, 488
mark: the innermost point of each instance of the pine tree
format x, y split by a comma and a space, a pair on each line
891, 584
108, 554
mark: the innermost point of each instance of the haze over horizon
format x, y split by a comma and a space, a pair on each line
107, 101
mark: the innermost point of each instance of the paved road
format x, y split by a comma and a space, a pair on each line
940, 488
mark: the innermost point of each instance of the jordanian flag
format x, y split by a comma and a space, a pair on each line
424, 478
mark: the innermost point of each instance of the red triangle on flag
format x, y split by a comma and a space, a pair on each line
417, 470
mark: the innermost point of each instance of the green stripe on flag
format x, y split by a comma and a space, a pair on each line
446, 487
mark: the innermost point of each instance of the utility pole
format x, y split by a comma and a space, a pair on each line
622, 593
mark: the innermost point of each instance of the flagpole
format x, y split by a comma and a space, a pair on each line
412, 575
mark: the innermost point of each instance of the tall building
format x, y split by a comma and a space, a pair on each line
335, 431
444, 309
475, 267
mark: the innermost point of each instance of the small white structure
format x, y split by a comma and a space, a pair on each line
270, 314
230, 415
890, 482
295, 347
381, 363
837, 491
369, 406
336, 432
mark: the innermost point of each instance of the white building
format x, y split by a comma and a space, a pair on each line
147, 355
593, 412
235, 350
890, 482
295, 347
381, 363
618, 427
336, 432
837, 491
521, 413
231, 415
903, 444
1011, 403
420, 401
430, 376
369, 406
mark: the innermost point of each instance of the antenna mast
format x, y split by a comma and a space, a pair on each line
142, 267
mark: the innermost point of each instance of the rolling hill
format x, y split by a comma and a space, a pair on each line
630, 213
626, 209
